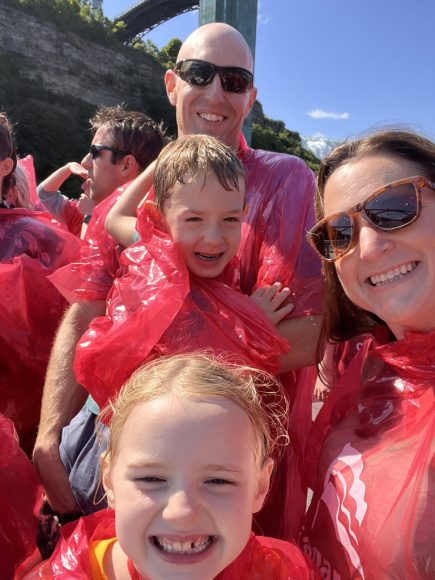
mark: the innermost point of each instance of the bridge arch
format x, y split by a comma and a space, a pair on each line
147, 14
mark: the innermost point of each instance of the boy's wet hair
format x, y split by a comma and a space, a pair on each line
201, 375
190, 156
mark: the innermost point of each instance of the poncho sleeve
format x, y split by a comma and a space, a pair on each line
280, 210
31, 248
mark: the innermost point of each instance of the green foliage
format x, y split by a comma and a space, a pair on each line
168, 54
147, 46
266, 137
76, 16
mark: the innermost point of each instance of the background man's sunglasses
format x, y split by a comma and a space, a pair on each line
391, 207
95, 150
201, 73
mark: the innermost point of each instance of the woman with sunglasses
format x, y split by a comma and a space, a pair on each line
372, 445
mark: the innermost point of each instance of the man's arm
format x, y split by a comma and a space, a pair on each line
302, 335
62, 399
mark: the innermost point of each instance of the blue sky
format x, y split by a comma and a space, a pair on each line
336, 67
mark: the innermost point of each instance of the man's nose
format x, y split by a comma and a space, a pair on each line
86, 161
215, 90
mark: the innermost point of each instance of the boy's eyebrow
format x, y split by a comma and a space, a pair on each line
229, 468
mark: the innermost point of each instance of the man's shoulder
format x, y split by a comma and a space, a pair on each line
260, 156
282, 164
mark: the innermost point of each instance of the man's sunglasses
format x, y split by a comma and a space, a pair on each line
201, 73
392, 207
95, 150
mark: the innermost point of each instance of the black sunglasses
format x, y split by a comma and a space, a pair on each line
95, 150
392, 207
201, 73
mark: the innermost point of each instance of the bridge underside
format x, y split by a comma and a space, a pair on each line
148, 14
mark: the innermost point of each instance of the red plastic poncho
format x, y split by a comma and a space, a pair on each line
91, 277
31, 247
20, 494
372, 512
262, 558
158, 308
280, 202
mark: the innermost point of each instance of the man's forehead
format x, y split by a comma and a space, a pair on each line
222, 48
102, 136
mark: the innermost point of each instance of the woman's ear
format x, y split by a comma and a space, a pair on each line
106, 479
171, 86
6, 166
152, 210
263, 484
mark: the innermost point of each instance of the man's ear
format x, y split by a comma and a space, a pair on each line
106, 479
129, 165
251, 101
263, 484
171, 87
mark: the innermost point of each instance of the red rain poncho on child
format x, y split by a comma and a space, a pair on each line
31, 247
372, 512
261, 559
157, 309
20, 494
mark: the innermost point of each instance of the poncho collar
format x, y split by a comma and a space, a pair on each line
393, 378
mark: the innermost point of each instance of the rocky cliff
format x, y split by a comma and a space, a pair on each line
68, 64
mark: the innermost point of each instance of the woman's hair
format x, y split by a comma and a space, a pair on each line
190, 156
19, 194
201, 375
7, 149
342, 319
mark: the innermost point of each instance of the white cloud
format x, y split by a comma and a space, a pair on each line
321, 114
263, 19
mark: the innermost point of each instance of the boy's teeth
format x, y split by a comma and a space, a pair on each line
392, 275
184, 547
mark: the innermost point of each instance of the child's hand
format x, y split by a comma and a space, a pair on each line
85, 205
270, 298
77, 169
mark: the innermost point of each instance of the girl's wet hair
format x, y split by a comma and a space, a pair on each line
200, 375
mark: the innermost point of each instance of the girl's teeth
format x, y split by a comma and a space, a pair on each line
392, 275
184, 547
